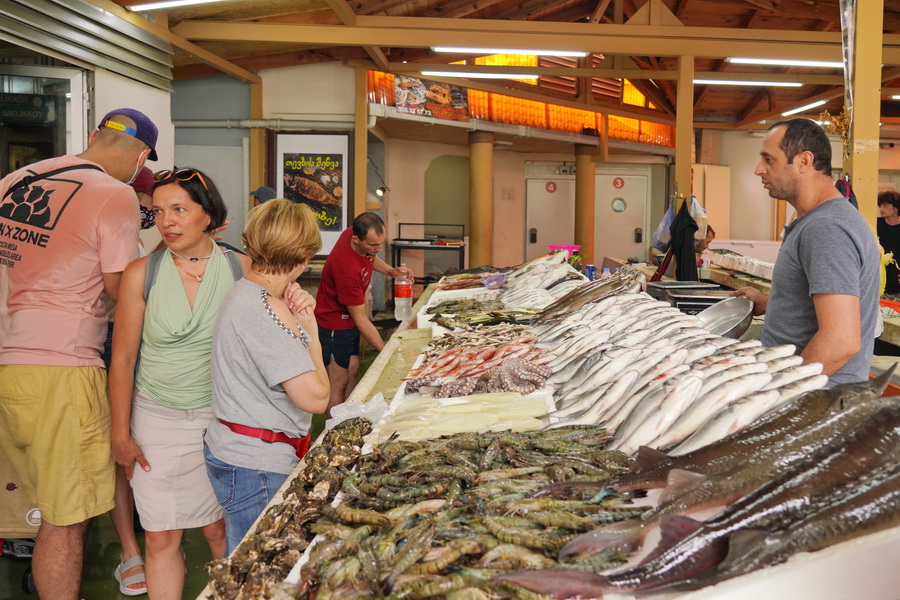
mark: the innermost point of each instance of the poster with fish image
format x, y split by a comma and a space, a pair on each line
312, 169
426, 98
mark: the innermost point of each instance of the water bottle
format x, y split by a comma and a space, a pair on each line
403, 296
605, 274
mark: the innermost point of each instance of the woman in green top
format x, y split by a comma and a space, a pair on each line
159, 411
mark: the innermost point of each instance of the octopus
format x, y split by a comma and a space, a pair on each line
514, 375
456, 388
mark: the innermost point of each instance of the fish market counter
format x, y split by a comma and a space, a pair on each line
859, 568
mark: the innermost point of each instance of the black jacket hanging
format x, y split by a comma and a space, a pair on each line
683, 228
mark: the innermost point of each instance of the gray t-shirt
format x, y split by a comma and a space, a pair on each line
829, 250
253, 354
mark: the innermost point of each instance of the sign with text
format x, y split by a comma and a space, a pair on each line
313, 169
415, 96
28, 108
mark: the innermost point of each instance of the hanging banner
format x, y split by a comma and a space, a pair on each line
415, 96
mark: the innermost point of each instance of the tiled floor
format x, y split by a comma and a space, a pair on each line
103, 549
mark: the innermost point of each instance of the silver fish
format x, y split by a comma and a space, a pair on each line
728, 420
709, 404
791, 374
660, 418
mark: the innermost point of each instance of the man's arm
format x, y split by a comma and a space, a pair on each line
382, 267
840, 331
366, 327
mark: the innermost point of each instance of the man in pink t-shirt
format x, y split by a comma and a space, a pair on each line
68, 228
341, 301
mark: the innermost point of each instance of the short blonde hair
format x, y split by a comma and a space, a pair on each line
280, 235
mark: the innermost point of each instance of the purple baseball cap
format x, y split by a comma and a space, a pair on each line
143, 130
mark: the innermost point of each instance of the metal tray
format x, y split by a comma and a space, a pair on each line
729, 318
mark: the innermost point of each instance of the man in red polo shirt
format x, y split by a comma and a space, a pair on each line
341, 301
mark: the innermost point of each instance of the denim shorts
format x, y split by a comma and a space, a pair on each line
339, 343
243, 493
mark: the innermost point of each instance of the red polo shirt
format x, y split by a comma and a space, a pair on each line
345, 278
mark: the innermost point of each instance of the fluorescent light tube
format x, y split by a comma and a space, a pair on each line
781, 62
464, 50
741, 82
167, 4
802, 108
479, 75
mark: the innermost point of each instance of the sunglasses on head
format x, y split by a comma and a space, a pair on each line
180, 175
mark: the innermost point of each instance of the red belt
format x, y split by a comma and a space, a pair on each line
301, 445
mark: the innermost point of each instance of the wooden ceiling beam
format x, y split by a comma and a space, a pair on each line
598, 38
204, 56
599, 11
374, 7
348, 17
458, 8
680, 7
529, 10
828, 94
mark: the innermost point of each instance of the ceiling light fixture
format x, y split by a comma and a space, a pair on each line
743, 82
784, 62
479, 75
167, 4
381, 191
466, 50
895, 97
802, 108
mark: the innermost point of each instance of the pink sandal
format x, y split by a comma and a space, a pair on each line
128, 585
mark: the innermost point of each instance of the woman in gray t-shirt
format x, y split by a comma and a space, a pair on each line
267, 369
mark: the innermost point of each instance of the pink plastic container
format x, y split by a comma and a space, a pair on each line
570, 248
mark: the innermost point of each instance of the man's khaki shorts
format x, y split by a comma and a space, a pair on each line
55, 432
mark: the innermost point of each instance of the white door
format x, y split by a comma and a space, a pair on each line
549, 214
620, 220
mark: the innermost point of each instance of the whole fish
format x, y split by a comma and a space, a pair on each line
728, 420
623, 408
651, 467
865, 509
717, 377
789, 375
783, 362
709, 404
660, 417
801, 386
689, 547
592, 415
688, 492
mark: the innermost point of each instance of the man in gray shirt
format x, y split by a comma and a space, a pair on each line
825, 284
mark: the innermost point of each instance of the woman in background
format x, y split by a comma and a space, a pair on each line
167, 308
268, 376
888, 228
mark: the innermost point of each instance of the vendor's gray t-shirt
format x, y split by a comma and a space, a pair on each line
829, 250
253, 353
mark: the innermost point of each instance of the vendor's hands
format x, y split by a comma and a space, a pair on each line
402, 270
127, 452
759, 300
